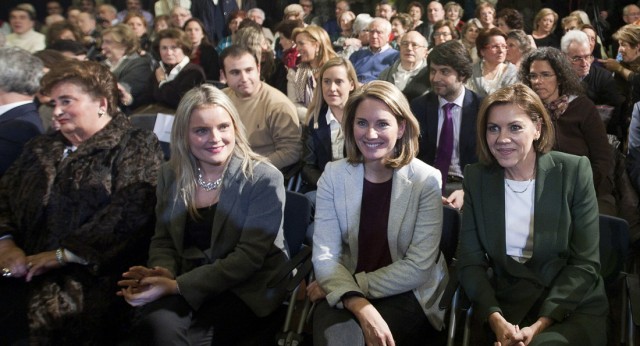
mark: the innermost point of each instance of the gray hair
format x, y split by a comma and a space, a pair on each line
573, 36
20, 72
385, 24
361, 22
256, 10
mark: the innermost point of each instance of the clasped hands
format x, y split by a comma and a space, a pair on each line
141, 285
508, 334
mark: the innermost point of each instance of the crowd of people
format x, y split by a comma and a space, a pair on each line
525, 117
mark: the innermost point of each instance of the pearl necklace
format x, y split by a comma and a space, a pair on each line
208, 185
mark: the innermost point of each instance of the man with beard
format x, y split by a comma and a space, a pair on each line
447, 116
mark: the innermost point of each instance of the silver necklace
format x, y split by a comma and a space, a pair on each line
208, 185
514, 191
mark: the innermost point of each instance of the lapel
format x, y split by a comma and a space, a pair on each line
178, 216
324, 131
467, 126
547, 206
353, 201
400, 197
432, 126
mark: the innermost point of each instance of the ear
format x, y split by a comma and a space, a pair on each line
401, 127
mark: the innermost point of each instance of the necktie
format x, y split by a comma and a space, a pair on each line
445, 144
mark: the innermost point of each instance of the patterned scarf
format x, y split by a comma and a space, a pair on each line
557, 107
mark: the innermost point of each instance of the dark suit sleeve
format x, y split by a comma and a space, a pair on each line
581, 273
135, 77
162, 251
13, 136
472, 265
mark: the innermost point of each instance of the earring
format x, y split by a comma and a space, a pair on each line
100, 113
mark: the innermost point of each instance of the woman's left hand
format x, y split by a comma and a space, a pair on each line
315, 292
610, 64
41, 263
151, 289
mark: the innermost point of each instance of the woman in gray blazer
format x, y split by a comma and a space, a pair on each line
218, 238
378, 224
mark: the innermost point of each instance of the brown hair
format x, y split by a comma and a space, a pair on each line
179, 36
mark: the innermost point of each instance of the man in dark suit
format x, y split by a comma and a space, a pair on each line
20, 74
449, 68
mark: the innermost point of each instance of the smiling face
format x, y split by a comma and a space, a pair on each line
453, 14
510, 134
376, 131
544, 81
445, 81
170, 51
307, 47
495, 51
628, 51
211, 136
336, 86
194, 32
242, 75
77, 112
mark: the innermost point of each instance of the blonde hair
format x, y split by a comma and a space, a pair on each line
320, 36
543, 13
182, 161
317, 102
522, 96
629, 33
406, 147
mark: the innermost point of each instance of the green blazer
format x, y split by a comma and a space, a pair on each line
562, 277
247, 241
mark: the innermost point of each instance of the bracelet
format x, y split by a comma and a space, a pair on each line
60, 257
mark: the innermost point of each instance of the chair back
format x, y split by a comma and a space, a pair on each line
614, 247
450, 232
297, 217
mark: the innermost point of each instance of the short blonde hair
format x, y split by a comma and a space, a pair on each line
525, 98
406, 147
320, 36
543, 13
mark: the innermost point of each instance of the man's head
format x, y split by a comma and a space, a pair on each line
379, 31
413, 48
179, 16
88, 6
630, 13
86, 22
387, 10
341, 7
54, 7
241, 69
20, 71
307, 7
107, 13
575, 45
134, 6
449, 68
435, 12
257, 15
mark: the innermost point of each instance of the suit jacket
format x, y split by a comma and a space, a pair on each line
416, 86
562, 277
17, 126
247, 242
414, 229
425, 109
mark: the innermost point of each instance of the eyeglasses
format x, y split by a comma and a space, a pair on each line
497, 47
543, 76
406, 44
441, 34
579, 59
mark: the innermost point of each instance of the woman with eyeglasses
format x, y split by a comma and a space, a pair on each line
492, 72
443, 31
577, 125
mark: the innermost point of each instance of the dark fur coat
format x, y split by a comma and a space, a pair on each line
99, 204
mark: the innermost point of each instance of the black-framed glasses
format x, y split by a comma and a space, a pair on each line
578, 59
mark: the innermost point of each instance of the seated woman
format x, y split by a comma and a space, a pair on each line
324, 140
176, 74
202, 52
76, 209
486, 13
453, 13
218, 237
544, 26
120, 47
443, 31
401, 23
540, 235
385, 202
470, 31
518, 46
492, 72
578, 127
137, 23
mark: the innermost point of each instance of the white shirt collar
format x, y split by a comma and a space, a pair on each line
458, 101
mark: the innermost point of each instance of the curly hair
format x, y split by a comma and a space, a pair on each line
512, 18
405, 20
568, 81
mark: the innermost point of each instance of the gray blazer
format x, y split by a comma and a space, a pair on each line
414, 229
247, 242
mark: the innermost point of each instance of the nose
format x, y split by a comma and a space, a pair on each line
371, 133
57, 111
503, 137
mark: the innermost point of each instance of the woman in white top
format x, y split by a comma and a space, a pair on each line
492, 72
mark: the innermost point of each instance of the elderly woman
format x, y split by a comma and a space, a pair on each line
203, 53
577, 124
401, 23
510, 19
443, 31
518, 45
218, 238
62, 31
540, 235
138, 24
120, 47
361, 33
492, 72
346, 21
387, 203
454, 12
486, 13
469, 35
75, 210
176, 74
544, 25
315, 49
410, 73
324, 140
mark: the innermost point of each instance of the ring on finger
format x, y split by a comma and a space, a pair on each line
6, 272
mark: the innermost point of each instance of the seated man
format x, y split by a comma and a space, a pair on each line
22, 19
269, 117
369, 63
20, 74
447, 115
600, 86
410, 73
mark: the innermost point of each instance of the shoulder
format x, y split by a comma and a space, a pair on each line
418, 170
274, 98
472, 97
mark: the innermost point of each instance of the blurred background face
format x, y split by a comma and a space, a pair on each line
53, 7
346, 22
194, 32
341, 7
545, 24
396, 28
160, 25
442, 35
170, 51
415, 13
486, 16
377, 36
496, 50
628, 51
472, 34
256, 17
307, 47
435, 12
111, 49
133, 5
285, 43
234, 24
453, 14
363, 36
137, 25
307, 7
179, 17
570, 25
412, 48
513, 51
386, 11
502, 25
20, 21
86, 23
592, 38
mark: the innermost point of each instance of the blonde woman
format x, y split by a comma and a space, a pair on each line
544, 24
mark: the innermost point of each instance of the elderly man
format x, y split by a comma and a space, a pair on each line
179, 16
108, 15
630, 13
257, 15
600, 86
22, 19
410, 73
20, 74
369, 63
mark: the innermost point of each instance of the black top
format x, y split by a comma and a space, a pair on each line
373, 244
197, 231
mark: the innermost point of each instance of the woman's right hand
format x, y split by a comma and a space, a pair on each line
13, 258
505, 332
374, 327
135, 274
